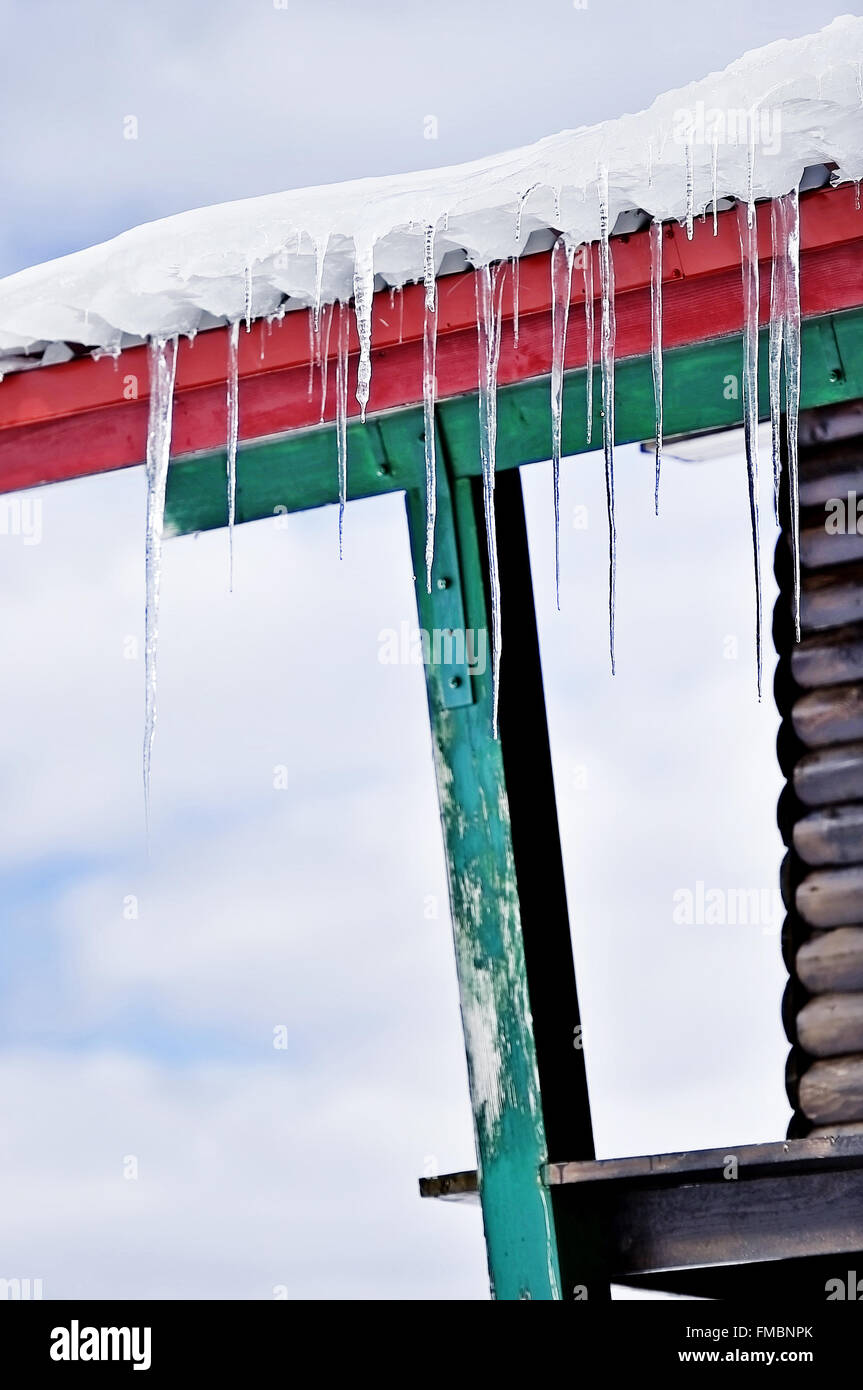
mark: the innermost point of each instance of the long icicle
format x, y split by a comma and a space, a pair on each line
489, 291
162, 354
656, 232
747, 226
586, 253
342, 342
791, 345
516, 277
561, 288
233, 436
607, 340
364, 288
247, 298
321, 248
429, 392
778, 267
326, 327
690, 186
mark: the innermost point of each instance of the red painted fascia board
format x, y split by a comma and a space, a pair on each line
74, 419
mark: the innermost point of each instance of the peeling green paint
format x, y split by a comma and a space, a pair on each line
502, 1071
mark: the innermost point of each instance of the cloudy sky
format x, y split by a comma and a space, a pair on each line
139, 1001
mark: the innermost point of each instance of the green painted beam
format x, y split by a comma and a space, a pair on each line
493, 991
299, 471
293, 472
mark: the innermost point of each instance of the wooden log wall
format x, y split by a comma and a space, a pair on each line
819, 693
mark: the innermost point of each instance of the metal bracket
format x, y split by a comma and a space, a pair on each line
451, 651
455, 649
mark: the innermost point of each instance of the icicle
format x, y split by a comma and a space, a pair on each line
247, 310
519, 212
776, 330
326, 326
364, 288
561, 289
233, 434
856, 195
714, 178
586, 254
429, 385
321, 248
791, 347
690, 186
607, 339
266, 330
342, 414
748, 229
429, 264
401, 314
488, 304
312, 353
163, 368
392, 298
516, 278
656, 232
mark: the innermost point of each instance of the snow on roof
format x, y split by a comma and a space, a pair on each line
748, 131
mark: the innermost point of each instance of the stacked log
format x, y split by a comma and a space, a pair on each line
819, 692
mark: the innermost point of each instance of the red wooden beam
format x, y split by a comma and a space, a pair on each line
88, 416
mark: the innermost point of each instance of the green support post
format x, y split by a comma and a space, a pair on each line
498, 1030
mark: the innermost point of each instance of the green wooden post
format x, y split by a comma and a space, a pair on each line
504, 1083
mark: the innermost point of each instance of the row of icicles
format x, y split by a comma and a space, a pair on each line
784, 350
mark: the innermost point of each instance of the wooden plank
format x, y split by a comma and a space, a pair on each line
529, 777
288, 474
830, 775
832, 715
486, 912
831, 835
710, 1165
452, 1187
831, 1025
691, 1225
689, 1211
760, 1202
828, 659
834, 470
831, 1090
831, 897
794, 1282
820, 547
832, 599
831, 960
